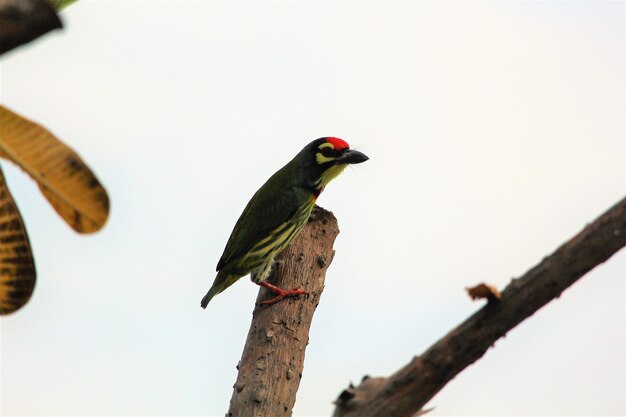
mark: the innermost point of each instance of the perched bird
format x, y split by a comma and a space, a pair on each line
277, 212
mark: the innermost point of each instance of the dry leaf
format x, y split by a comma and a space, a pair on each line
65, 180
24, 20
483, 290
17, 267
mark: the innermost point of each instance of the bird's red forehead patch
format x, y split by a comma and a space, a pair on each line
337, 143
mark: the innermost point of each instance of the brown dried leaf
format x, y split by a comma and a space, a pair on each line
64, 179
24, 20
17, 267
483, 290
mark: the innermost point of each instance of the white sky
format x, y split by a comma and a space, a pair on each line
495, 132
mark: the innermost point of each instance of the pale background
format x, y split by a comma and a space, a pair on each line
495, 132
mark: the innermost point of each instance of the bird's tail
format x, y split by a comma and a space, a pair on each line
212, 292
222, 281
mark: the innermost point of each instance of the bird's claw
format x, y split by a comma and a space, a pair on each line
281, 294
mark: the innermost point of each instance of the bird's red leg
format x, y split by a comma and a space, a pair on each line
281, 293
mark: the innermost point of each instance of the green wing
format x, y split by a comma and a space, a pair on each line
268, 209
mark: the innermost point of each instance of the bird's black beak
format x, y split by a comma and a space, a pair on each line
350, 156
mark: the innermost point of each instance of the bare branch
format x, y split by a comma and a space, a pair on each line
410, 388
273, 358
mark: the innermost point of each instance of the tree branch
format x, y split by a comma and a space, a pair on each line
273, 358
405, 392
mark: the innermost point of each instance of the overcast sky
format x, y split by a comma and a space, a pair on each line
495, 132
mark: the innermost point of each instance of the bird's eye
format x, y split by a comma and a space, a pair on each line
328, 152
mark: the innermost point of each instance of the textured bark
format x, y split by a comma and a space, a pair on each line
410, 388
273, 358
21, 21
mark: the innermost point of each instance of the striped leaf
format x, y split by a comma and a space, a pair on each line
17, 267
64, 179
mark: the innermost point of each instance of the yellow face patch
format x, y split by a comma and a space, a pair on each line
319, 157
322, 159
331, 173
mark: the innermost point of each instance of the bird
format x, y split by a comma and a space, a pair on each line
277, 213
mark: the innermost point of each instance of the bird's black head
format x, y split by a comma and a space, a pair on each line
325, 158
335, 151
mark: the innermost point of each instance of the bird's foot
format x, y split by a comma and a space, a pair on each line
280, 293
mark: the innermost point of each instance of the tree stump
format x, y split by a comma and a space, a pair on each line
271, 365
